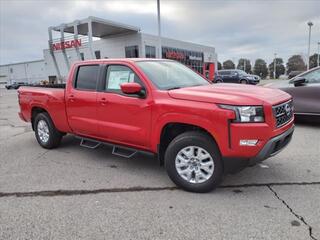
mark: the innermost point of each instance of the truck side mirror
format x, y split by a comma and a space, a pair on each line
132, 88
300, 81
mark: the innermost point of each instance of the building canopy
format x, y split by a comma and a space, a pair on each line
100, 27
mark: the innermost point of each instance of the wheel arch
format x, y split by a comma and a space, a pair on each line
171, 129
35, 110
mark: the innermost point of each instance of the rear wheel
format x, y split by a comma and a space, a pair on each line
193, 162
46, 133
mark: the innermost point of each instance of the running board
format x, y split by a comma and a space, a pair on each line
120, 151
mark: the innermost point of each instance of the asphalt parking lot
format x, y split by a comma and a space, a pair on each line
78, 193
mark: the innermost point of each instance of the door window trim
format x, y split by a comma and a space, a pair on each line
103, 81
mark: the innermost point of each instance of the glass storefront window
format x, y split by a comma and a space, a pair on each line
132, 52
150, 51
192, 59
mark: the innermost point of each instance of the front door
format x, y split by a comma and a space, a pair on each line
123, 119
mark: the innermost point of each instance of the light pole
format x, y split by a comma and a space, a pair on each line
274, 66
159, 30
310, 24
318, 54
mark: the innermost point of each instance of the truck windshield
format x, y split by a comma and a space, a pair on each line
167, 75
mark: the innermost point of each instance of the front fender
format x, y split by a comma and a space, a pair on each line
183, 118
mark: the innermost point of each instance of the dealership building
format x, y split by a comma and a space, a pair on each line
96, 38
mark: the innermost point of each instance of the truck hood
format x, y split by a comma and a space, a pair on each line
233, 94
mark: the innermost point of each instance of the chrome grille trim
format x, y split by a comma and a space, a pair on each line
283, 113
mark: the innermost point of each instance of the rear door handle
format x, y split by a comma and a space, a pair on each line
103, 101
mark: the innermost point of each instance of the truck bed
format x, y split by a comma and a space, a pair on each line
49, 98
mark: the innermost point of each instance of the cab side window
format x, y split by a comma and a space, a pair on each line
87, 77
118, 74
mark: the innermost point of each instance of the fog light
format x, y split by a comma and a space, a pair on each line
248, 142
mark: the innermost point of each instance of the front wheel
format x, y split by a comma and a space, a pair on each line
46, 133
193, 162
243, 81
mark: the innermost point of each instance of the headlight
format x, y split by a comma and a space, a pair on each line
246, 113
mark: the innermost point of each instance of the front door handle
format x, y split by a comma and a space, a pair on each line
71, 98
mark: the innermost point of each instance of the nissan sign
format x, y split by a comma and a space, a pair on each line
66, 44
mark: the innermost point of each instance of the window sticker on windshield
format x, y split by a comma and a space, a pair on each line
131, 78
116, 78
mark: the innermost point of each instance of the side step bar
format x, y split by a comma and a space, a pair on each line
123, 152
89, 143
120, 151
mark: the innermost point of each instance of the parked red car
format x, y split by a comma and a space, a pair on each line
197, 129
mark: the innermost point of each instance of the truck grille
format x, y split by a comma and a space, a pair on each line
283, 113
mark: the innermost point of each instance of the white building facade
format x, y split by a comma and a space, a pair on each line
95, 38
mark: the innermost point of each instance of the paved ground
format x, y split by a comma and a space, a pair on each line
78, 193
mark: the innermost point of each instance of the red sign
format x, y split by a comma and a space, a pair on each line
66, 44
175, 55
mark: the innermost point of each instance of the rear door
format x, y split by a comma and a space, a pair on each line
81, 100
123, 119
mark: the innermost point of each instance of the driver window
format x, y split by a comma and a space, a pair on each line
116, 75
313, 77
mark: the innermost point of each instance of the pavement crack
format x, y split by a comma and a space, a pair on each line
299, 217
82, 192
66, 192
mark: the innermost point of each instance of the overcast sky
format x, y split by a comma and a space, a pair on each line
250, 29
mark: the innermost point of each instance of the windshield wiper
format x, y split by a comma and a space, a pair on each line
173, 88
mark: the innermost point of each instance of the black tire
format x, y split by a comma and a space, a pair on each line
219, 81
243, 81
197, 139
55, 136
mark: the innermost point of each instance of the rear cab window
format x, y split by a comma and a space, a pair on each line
87, 77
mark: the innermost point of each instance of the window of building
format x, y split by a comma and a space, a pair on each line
97, 54
117, 74
82, 56
87, 77
150, 52
132, 52
11, 70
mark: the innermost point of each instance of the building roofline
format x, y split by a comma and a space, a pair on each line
17, 63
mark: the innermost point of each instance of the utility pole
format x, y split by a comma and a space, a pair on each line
318, 54
310, 24
244, 65
159, 30
275, 66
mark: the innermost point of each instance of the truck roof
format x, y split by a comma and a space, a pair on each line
127, 60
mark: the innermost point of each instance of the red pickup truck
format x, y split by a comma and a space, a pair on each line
198, 130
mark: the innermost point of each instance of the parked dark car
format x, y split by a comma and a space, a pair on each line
15, 85
237, 76
305, 90
217, 78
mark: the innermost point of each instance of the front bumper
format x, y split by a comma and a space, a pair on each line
271, 148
